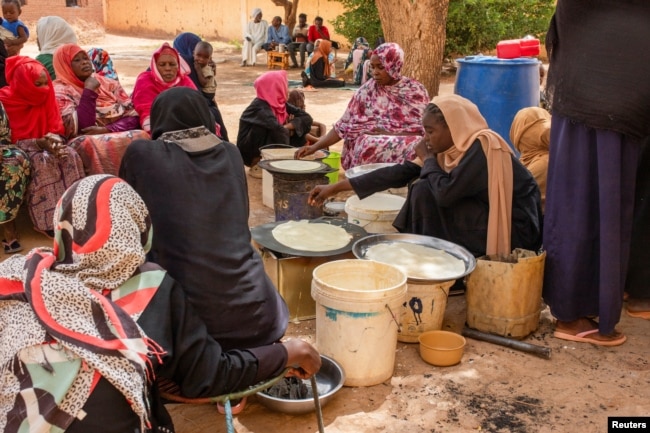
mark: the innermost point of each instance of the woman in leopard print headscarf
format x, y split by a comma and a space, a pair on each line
78, 323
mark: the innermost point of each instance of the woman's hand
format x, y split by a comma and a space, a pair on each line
91, 83
95, 130
304, 151
303, 360
423, 150
319, 194
51, 143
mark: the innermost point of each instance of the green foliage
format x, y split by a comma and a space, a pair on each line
360, 19
472, 25
477, 25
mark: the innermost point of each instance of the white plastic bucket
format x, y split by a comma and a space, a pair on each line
424, 309
375, 213
357, 302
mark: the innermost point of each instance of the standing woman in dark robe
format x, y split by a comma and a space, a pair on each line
466, 186
269, 119
195, 187
185, 43
600, 120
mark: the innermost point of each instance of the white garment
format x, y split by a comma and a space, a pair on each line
257, 32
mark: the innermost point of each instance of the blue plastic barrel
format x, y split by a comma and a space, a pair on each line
499, 87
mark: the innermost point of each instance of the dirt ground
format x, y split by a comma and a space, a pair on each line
493, 389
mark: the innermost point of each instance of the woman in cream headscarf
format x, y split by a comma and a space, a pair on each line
254, 37
51, 33
466, 185
530, 133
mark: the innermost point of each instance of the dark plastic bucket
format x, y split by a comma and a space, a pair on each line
290, 194
499, 87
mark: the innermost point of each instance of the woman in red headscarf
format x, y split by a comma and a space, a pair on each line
97, 112
270, 120
166, 70
37, 128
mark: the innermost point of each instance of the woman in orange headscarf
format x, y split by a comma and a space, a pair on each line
97, 113
320, 69
530, 133
466, 186
166, 70
37, 128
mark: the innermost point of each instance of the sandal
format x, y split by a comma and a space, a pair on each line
12, 247
588, 336
236, 406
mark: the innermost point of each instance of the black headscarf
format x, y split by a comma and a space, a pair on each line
180, 108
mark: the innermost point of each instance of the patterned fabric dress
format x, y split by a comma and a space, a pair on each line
14, 173
396, 110
33, 114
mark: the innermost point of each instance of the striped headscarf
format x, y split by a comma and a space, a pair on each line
83, 297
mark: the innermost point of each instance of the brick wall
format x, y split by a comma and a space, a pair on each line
88, 10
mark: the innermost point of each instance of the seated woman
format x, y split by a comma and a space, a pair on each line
466, 185
187, 170
166, 70
90, 323
51, 33
320, 69
103, 63
97, 113
382, 122
530, 134
185, 43
14, 176
270, 120
359, 54
37, 129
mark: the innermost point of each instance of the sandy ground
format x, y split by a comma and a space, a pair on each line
493, 389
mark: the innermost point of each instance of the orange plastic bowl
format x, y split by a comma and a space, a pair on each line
441, 348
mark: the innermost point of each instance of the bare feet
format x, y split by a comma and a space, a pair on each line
585, 330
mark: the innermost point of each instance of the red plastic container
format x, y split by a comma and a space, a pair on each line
513, 48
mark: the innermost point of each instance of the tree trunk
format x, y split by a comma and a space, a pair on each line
418, 26
290, 12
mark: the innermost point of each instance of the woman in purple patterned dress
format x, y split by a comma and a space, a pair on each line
382, 120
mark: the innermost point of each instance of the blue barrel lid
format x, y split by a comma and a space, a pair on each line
492, 60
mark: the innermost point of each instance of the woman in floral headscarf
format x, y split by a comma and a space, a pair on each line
166, 70
382, 121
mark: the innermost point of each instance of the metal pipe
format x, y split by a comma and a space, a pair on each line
319, 413
541, 351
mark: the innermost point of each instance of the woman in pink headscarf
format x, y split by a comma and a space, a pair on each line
166, 70
382, 120
269, 119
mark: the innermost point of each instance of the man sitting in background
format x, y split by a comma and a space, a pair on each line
299, 41
277, 34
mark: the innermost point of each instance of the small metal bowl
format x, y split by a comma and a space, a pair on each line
329, 379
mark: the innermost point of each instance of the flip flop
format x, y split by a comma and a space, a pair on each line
582, 337
638, 314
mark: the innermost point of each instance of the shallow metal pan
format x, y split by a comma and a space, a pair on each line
263, 235
361, 246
